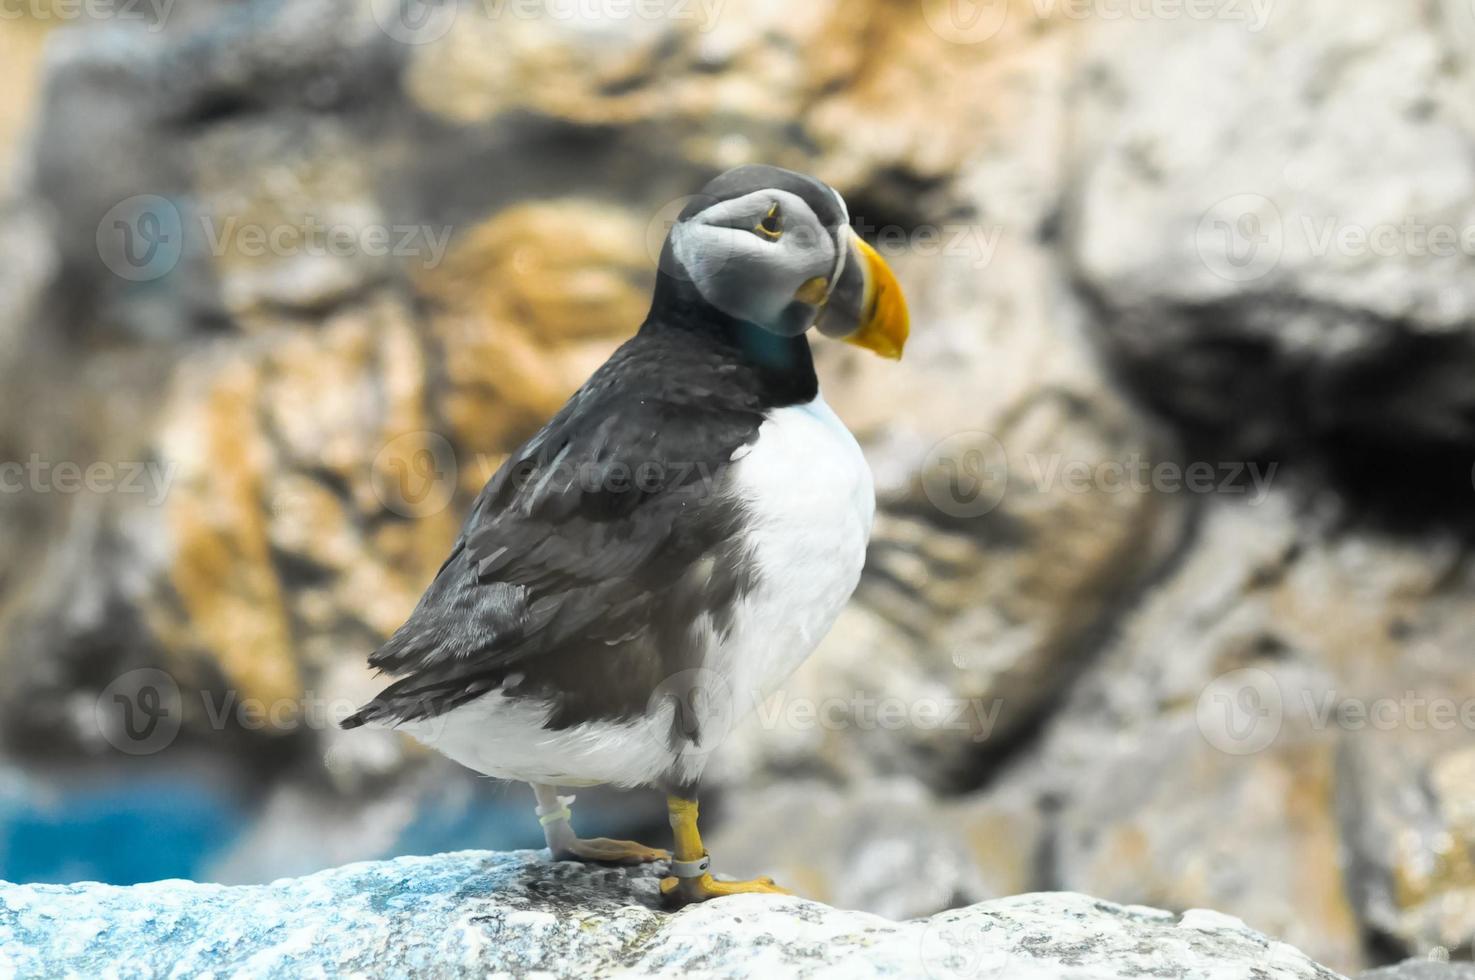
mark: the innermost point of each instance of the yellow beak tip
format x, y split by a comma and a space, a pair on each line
888, 322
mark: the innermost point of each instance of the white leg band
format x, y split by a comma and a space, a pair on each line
691, 869
560, 812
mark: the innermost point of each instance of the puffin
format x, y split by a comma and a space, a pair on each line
673, 543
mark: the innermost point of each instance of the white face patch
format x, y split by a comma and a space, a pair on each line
749, 275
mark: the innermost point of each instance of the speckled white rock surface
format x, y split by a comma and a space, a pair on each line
487, 914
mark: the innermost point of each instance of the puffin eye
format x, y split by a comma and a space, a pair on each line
772, 225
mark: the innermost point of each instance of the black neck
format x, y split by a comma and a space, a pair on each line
781, 367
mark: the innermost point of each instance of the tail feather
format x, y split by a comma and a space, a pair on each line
358, 719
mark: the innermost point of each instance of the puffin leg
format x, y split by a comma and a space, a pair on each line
690, 880
554, 813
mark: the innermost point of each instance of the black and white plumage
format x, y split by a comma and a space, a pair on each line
681, 535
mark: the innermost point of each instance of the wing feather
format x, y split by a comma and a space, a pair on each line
577, 557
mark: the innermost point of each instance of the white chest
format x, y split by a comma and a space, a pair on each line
810, 500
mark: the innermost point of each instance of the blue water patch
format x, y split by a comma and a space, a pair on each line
465, 811
204, 823
121, 833
487, 818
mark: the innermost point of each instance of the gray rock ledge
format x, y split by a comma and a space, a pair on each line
515, 914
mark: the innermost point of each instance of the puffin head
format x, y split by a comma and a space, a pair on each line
774, 248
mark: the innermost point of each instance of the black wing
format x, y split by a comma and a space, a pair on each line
588, 557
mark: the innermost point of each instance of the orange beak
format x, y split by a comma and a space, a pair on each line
885, 322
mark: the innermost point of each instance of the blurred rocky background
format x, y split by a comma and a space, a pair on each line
1171, 597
